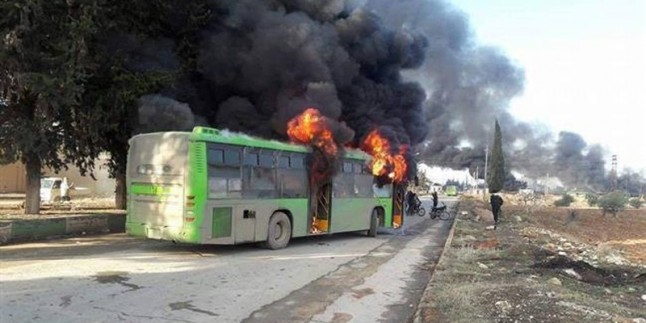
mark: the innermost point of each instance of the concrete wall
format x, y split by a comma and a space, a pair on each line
12, 178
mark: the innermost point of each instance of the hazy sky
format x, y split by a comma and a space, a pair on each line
585, 66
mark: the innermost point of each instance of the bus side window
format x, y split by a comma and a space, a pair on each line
224, 173
262, 178
232, 157
283, 161
347, 167
294, 178
267, 160
251, 159
215, 157
384, 191
363, 184
297, 162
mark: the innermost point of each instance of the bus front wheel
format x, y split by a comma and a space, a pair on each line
279, 231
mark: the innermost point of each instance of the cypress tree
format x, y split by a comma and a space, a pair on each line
496, 178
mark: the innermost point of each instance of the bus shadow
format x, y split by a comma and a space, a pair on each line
313, 243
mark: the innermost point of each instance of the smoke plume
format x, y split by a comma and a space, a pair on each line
468, 86
260, 63
409, 69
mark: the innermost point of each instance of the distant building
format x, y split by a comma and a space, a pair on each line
436, 187
543, 184
436, 174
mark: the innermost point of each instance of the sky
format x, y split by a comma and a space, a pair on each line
584, 62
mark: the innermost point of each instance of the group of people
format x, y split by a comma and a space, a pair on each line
414, 203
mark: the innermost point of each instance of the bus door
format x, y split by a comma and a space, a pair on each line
399, 193
319, 218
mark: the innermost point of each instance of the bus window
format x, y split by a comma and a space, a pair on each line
224, 173
225, 182
232, 157
363, 184
357, 168
215, 157
217, 188
251, 159
293, 182
347, 167
343, 186
297, 162
283, 161
267, 160
263, 183
384, 191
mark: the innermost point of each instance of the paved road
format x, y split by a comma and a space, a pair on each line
108, 278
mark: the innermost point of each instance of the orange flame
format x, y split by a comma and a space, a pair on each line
311, 128
384, 163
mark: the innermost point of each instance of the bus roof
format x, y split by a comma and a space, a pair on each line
240, 139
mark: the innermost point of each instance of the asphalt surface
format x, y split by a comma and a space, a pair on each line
107, 278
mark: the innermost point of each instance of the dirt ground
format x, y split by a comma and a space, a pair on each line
10, 208
541, 265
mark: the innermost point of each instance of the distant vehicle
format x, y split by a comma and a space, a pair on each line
452, 190
57, 189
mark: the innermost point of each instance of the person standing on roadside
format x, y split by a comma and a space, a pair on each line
496, 203
435, 199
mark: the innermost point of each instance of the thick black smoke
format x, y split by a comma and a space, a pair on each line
260, 63
409, 68
578, 163
468, 87
158, 113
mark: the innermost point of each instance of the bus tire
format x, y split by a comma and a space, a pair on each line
279, 231
374, 223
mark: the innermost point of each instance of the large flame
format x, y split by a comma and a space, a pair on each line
311, 128
383, 162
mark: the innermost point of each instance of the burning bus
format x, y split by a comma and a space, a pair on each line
211, 186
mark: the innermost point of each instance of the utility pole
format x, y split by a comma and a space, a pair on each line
613, 173
484, 190
477, 178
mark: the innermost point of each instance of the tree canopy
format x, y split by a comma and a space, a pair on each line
44, 66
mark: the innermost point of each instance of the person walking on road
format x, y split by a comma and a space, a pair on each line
496, 204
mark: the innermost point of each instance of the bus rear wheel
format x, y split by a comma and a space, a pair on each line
279, 231
374, 223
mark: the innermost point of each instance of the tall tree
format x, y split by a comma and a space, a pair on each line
167, 28
43, 66
496, 177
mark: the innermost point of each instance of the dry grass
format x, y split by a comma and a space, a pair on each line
10, 209
479, 281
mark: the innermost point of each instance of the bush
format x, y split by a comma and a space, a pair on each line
592, 199
636, 202
566, 200
613, 202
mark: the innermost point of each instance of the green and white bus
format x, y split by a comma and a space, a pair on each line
211, 186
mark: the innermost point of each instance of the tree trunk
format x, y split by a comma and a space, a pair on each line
121, 192
32, 200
